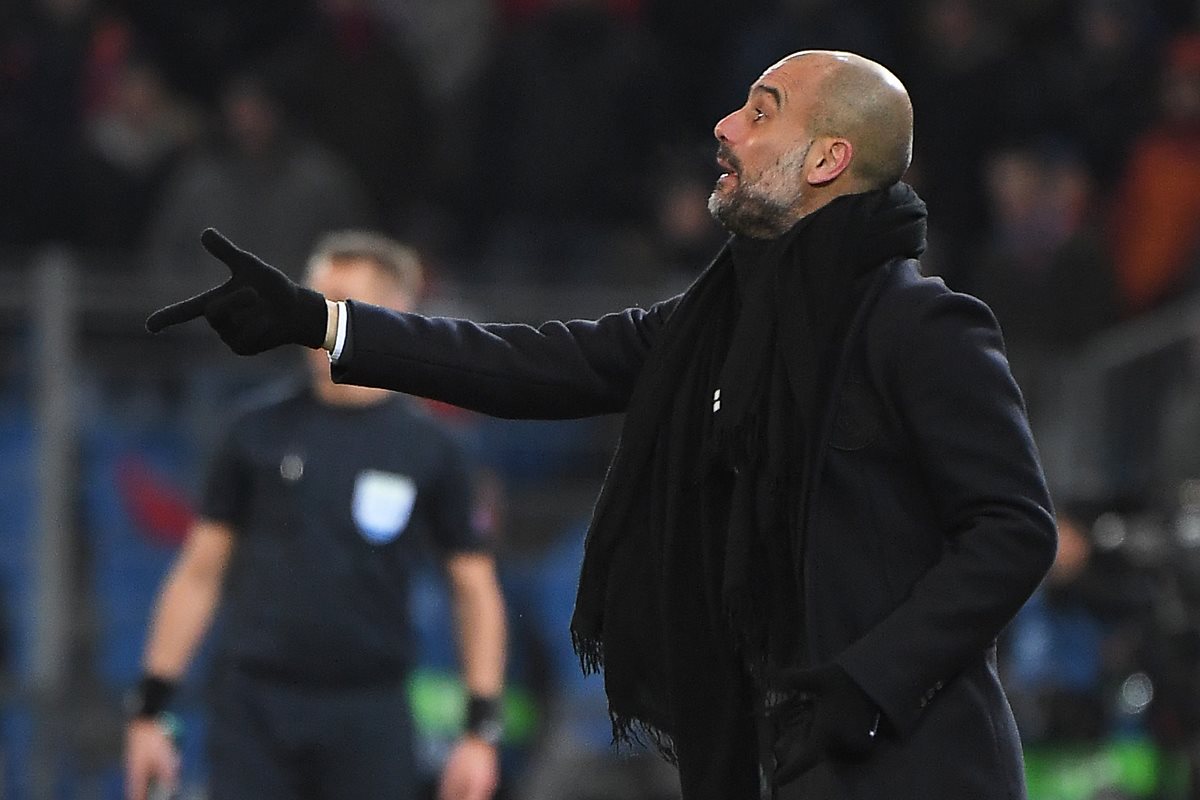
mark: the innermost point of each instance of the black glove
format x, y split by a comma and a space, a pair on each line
256, 309
829, 717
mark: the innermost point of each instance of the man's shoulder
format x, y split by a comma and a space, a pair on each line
910, 300
908, 291
908, 282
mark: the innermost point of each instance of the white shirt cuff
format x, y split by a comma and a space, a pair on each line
342, 325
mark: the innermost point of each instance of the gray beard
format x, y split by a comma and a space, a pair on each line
746, 214
752, 212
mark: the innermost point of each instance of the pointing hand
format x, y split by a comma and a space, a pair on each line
257, 309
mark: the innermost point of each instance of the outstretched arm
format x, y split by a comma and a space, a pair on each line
557, 370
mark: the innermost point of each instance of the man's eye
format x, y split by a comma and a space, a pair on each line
758, 114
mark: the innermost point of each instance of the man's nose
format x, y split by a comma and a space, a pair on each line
725, 127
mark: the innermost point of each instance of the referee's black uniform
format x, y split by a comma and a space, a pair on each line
328, 505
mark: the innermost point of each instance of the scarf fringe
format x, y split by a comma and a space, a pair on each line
628, 732
632, 732
590, 651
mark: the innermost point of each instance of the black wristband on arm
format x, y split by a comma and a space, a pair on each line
150, 697
484, 719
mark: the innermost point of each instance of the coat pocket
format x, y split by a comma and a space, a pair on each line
858, 419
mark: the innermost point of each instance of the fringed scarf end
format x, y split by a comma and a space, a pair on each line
590, 651
631, 732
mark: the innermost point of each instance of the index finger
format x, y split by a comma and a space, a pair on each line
183, 311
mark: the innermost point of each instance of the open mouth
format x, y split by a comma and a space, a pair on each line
729, 167
728, 164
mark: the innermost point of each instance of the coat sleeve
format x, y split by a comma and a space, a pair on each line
954, 393
557, 370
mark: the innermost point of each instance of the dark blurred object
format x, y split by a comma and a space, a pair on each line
685, 236
1153, 557
1101, 80
571, 122
203, 44
791, 25
350, 84
1057, 671
971, 92
515, 11
45, 56
1044, 269
574, 758
158, 506
270, 189
131, 142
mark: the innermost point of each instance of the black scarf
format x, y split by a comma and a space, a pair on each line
690, 593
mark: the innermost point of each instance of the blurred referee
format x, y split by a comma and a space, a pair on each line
310, 517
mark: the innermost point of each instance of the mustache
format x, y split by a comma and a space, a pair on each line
724, 154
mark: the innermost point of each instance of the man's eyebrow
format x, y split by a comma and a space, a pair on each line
771, 90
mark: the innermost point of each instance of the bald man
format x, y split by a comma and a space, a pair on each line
826, 502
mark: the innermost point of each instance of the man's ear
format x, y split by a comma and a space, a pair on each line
833, 157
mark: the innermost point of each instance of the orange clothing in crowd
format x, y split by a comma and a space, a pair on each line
1156, 223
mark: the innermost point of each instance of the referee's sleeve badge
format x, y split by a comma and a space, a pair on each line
382, 505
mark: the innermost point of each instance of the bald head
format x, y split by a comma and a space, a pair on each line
863, 102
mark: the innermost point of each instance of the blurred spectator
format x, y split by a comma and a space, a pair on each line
692, 40
1101, 80
515, 11
1044, 271
1155, 235
680, 235
203, 44
1056, 645
349, 82
131, 142
791, 25
267, 187
429, 25
965, 82
1156, 231
1081, 631
44, 56
571, 121
450, 41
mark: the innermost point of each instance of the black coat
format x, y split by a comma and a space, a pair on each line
929, 519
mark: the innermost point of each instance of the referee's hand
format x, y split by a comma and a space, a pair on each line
472, 772
150, 759
257, 309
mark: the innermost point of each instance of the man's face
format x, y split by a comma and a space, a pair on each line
762, 149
